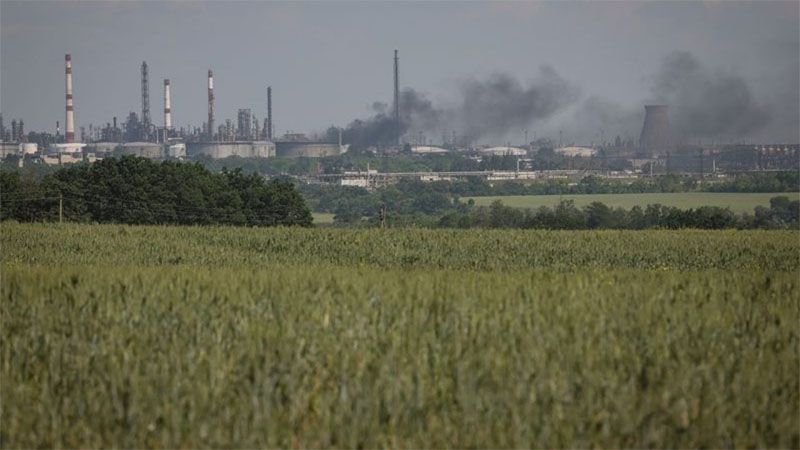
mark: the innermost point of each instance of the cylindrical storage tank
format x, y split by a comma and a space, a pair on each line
102, 147
176, 150
28, 148
143, 149
9, 148
219, 150
74, 147
289, 149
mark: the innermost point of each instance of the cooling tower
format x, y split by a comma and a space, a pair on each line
655, 138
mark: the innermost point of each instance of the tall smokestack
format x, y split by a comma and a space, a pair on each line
269, 113
70, 120
167, 106
145, 102
397, 97
210, 105
655, 138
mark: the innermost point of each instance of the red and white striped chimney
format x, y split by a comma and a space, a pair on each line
210, 105
167, 106
69, 124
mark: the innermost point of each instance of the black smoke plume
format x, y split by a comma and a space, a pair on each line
483, 108
704, 103
707, 103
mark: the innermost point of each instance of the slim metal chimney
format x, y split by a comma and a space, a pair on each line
70, 119
210, 105
268, 131
145, 102
167, 106
397, 98
655, 138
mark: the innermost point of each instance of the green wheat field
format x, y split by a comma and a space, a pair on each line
136, 336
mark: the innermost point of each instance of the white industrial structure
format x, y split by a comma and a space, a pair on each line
427, 149
504, 151
584, 152
70, 119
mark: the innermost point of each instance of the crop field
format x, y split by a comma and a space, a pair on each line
123, 336
321, 218
737, 202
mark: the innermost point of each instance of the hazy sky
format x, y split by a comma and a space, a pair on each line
329, 61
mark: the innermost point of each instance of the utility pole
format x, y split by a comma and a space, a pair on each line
60, 208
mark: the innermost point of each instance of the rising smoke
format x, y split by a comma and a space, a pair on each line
707, 103
704, 103
487, 108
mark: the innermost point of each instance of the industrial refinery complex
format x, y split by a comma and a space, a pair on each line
248, 137
140, 136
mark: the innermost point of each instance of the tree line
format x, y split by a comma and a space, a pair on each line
133, 190
410, 197
782, 213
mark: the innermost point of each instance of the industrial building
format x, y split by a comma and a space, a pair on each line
245, 137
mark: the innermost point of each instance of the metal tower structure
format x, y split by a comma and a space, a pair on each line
145, 103
268, 130
210, 105
397, 98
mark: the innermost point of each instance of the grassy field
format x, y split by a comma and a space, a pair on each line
737, 202
321, 218
117, 336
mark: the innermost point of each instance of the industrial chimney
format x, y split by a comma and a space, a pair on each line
268, 131
145, 103
69, 137
655, 138
397, 97
210, 105
167, 107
